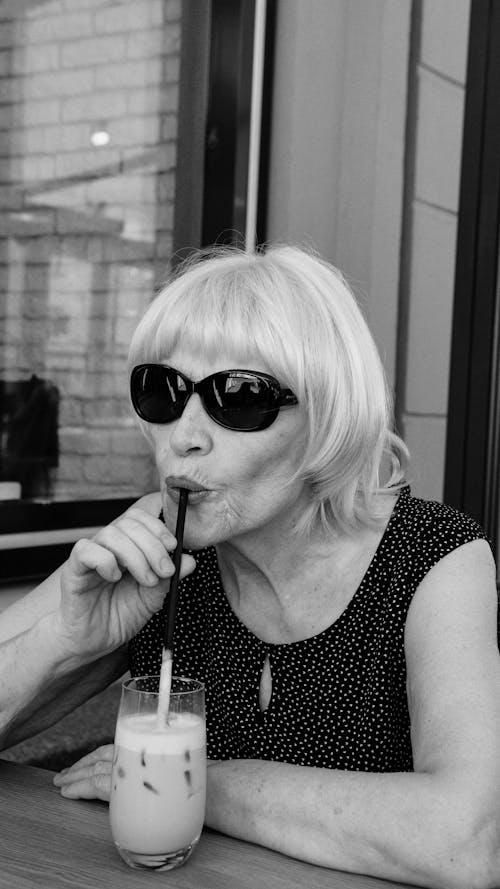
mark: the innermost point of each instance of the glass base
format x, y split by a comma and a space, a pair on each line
157, 861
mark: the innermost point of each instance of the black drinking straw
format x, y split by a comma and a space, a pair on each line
168, 644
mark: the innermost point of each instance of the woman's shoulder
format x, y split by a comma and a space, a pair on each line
423, 531
433, 516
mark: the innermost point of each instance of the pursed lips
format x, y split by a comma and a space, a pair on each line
196, 491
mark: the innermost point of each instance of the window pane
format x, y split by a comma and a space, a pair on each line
88, 129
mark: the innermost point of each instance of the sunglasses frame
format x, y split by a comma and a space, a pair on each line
284, 397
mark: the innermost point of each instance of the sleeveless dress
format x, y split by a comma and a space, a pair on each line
338, 698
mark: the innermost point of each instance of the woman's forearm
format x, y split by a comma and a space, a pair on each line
402, 826
41, 681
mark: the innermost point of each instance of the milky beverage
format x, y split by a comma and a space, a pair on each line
158, 783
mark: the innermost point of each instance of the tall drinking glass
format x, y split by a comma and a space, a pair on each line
158, 782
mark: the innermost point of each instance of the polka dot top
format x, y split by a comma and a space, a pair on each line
338, 698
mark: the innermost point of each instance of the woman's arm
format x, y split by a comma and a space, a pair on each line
438, 826
65, 641
35, 695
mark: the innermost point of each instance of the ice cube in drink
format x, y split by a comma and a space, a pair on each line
158, 788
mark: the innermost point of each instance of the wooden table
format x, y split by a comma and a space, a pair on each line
49, 842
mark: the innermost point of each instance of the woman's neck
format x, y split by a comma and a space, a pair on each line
286, 587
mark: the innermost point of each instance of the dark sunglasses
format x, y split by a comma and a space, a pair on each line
241, 400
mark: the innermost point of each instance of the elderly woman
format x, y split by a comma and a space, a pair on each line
345, 630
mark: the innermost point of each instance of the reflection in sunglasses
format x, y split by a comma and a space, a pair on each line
216, 394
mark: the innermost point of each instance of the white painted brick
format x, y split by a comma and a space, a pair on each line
164, 250
62, 364
73, 5
51, 7
38, 249
129, 16
101, 469
124, 329
165, 216
5, 63
93, 51
430, 310
70, 466
70, 412
79, 440
144, 101
9, 9
165, 157
94, 107
86, 162
32, 59
59, 84
172, 69
170, 98
144, 44
169, 128
11, 198
445, 33
38, 168
131, 188
10, 34
135, 131
166, 187
109, 409
131, 251
130, 443
38, 113
65, 137
439, 140
11, 89
14, 138
58, 27
18, 224
133, 74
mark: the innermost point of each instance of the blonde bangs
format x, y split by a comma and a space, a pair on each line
226, 306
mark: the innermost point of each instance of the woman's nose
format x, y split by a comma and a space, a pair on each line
191, 432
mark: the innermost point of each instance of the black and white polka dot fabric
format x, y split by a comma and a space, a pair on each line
339, 698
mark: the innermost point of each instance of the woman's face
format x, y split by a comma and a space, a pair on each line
238, 479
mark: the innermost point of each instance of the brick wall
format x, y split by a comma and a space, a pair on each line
85, 231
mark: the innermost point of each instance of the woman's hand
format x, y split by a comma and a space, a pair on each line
111, 585
89, 777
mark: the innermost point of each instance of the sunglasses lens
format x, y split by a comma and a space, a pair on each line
158, 393
242, 401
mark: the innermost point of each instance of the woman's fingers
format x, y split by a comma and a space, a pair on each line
136, 549
90, 777
87, 555
136, 542
127, 544
92, 786
105, 752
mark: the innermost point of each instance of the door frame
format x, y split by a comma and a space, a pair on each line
472, 473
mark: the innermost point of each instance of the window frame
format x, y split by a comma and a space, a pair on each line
471, 469
220, 35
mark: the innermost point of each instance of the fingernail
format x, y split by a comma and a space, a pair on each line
150, 577
165, 566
